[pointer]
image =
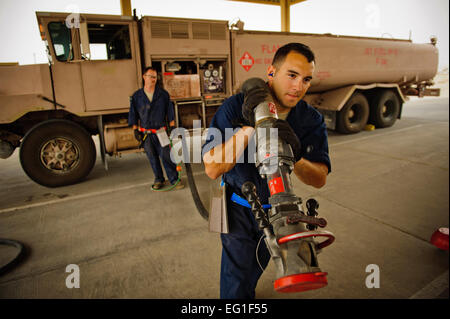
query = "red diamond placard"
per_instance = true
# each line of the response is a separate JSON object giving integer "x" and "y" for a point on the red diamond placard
{"x": 246, "y": 61}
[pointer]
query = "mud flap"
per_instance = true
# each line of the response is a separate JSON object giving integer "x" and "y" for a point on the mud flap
{"x": 102, "y": 141}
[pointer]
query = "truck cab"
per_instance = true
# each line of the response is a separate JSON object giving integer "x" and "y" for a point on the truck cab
{"x": 95, "y": 61}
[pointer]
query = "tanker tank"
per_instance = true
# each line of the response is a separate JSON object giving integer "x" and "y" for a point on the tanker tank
{"x": 340, "y": 60}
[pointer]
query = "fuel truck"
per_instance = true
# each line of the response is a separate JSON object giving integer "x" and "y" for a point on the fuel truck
{"x": 52, "y": 111}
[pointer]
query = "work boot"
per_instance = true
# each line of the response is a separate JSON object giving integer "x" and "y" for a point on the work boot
{"x": 157, "y": 185}
{"x": 180, "y": 185}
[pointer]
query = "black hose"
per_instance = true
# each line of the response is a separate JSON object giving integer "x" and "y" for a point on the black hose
{"x": 195, "y": 196}
{"x": 192, "y": 186}
{"x": 20, "y": 255}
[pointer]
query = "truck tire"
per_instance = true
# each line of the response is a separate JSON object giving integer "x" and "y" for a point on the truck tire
{"x": 353, "y": 117}
{"x": 57, "y": 153}
{"x": 385, "y": 107}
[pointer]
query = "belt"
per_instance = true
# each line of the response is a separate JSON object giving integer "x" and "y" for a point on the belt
{"x": 149, "y": 130}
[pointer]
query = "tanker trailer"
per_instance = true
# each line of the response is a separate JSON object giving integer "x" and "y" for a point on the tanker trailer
{"x": 357, "y": 80}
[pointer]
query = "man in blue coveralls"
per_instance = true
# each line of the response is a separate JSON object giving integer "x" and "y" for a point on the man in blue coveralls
{"x": 150, "y": 109}
{"x": 300, "y": 125}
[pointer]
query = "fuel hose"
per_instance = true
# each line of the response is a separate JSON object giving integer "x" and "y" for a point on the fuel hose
{"x": 17, "y": 259}
{"x": 194, "y": 192}
{"x": 191, "y": 182}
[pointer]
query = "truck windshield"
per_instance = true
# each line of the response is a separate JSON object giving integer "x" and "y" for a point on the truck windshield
{"x": 61, "y": 40}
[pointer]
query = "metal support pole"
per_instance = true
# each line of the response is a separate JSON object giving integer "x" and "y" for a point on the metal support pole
{"x": 285, "y": 15}
{"x": 125, "y": 7}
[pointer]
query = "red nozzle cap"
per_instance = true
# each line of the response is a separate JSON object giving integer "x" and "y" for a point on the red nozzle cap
{"x": 301, "y": 282}
{"x": 440, "y": 238}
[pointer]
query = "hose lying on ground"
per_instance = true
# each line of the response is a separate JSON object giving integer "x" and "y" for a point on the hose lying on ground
{"x": 18, "y": 258}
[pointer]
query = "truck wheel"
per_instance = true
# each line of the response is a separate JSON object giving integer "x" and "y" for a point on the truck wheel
{"x": 354, "y": 115}
{"x": 384, "y": 109}
{"x": 57, "y": 153}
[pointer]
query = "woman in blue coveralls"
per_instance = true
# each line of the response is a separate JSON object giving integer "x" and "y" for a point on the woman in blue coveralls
{"x": 150, "y": 108}
{"x": 288, "y": 78}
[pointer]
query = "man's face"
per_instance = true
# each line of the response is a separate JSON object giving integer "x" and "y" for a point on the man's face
{"x": 291, "y": 79}
{"x": 150, "y": 78}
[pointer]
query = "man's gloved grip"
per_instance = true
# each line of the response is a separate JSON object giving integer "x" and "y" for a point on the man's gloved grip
{"x": 287, "y": 134}
{"x": 239, "y": 122}
{"x": 252, "y": 83}
{"x": 255, "y": 92}
{"x": 138, "y": 135}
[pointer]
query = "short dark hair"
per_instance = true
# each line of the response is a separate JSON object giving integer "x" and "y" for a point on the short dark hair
{"x": 149, "y": 68}
{"x": 283, "y": 51}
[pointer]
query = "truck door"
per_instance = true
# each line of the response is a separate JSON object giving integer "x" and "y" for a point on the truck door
{"x": 109, "y": 69}
{"x": 65, "y": 72}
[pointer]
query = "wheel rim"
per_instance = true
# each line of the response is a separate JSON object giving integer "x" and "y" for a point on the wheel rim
{"x": 388, "y": 110}
{"x": 60, "y": 155}
{"x": 354, "y": 115}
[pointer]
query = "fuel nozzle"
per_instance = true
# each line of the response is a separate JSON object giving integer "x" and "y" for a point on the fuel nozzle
{"x": 290, "y": 234}
{"x": 292, "y": 248}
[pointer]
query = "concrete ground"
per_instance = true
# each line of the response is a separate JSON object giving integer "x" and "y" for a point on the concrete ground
{"x": 388, "y": 192}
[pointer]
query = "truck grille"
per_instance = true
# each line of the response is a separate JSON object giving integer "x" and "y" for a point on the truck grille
{"x": 180, "y": 30}
{"x": 160, "y": 29}
{"x": 218, "y": 31}
{"x": 200, "y": 30}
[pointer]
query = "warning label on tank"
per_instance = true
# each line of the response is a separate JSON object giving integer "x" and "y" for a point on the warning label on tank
{"x": 276, "y": 186}
{"x": 246, "y": 61}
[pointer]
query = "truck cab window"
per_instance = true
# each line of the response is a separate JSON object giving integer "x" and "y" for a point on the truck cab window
{"x": 109, "y": 41}
{"x": 61, "y": 40}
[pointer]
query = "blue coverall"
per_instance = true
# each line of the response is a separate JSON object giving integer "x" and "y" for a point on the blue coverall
{"x": 153, "y": 115}
{"x": 239, "y": 268}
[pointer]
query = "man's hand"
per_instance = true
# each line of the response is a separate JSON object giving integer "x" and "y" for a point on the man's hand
{"x": 311, "y": 173}
{"x": 138, "y": 135}
{"x": 287, "y": 134}
{"x": 255, "y": 92}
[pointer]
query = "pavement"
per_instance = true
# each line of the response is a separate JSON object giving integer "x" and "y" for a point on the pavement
{"x": 387, "y": 193}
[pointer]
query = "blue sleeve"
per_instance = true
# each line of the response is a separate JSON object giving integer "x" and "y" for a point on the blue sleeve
{"x": 132, "y": 115}
{"x": 314, "y": 139}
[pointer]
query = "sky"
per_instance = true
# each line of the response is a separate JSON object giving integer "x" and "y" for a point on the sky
{"x": 417, "y": 20}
